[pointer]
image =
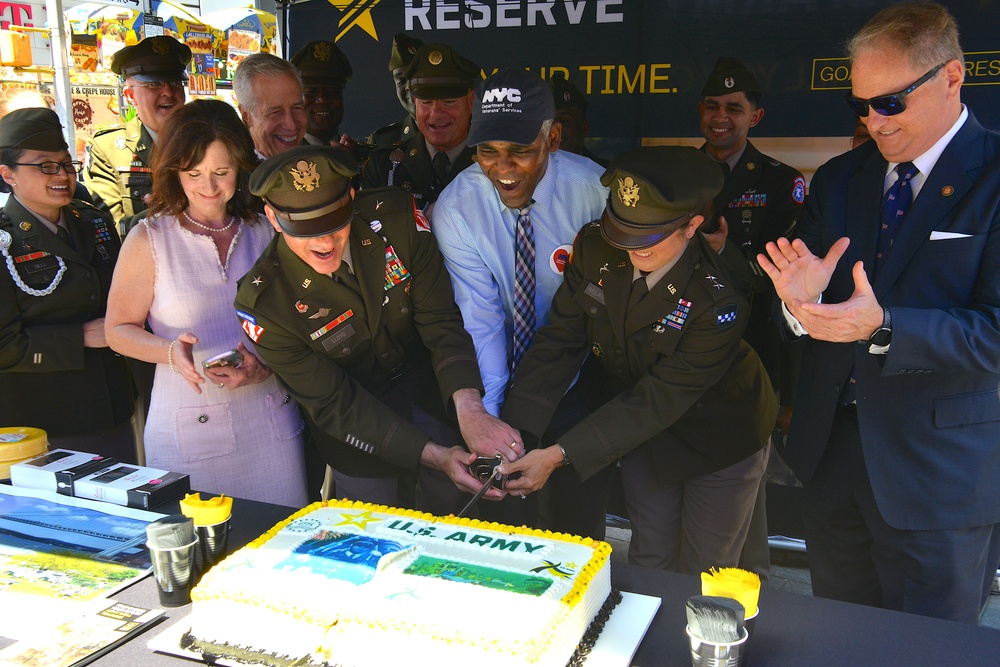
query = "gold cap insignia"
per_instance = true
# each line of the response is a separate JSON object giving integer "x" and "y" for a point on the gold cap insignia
{"x": 434, "y": 58}
{"x": 628, "y": 191}
{"x": 161, "y": 47}
{"x": 304, "y": 176}
{"x": 322, "y": 51}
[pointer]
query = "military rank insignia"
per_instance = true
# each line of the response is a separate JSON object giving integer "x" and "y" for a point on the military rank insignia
{"x": 725, "y": 316}
{"x": 675, "y": 319}
{"x": 395, "y": 272}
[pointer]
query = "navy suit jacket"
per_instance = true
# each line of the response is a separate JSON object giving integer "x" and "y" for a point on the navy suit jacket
{"x": 929, "y": 411}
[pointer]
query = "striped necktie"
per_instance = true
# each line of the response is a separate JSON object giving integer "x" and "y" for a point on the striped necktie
{"x": 524, "y": 286}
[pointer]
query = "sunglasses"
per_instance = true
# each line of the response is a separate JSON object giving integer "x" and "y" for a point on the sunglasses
{"x": 52, "y": 168}
{"x": 892, "y": 104}
{"x": 157, "y": 85}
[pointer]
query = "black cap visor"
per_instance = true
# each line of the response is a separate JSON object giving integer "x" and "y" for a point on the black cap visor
{"x": 316, "y": 222}
{"x": 154, "y": 73}
{"x": 629, "y": 236}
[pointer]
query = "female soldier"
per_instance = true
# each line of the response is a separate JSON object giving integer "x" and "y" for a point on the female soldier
{"x": 685, "y": 401}
{"x": 58, "y": 254}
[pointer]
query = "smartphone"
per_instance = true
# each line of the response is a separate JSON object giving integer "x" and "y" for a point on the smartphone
{"x": 230, "y": 358}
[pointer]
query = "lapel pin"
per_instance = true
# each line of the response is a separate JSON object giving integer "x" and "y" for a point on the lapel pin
{"x": 947, "y": 191}
{"x": 25, "y": 226}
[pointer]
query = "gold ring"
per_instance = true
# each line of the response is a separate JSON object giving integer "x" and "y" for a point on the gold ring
{"x": 513, "y": 445}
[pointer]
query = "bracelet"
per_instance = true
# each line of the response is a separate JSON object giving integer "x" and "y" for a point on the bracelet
{"x": 565, "y": 456}
{"x": 170, "y": 355}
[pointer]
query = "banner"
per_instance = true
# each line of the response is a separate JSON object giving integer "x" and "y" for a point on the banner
{"x": 641, "y": 65}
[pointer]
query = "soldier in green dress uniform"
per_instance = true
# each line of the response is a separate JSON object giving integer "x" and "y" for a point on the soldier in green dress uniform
{"x": 440, "y": 82}
{"x": 118, "y": 171}
{"x": 58, "y": 254}
{"x": 351, "y": 306}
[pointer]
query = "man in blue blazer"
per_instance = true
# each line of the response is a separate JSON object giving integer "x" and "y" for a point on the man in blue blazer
{"x": 895, "y": 279}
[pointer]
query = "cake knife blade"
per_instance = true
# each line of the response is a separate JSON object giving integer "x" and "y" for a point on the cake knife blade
{"x": 481, "y": 492}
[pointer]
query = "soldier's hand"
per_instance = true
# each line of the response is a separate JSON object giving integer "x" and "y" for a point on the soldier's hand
{"x": 717, "y": 239}
{"x": 530, "y": 472}
{"x": 93, "y": 333}
{"x": 455, "y": 462}
{"x": 183, "y": 358}
{"x": 250, "y": 371}
{"x": 484, "y": 434}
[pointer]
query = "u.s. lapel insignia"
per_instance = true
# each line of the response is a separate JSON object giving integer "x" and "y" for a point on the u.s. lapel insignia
{"x": 671, "y": 289}
{"x": 301, "y": 307}
{"x": 306, "y": 283}
{"x": 305, "y": 177}
{"x": 366, "y": 242}
{"x": 628, "y": 191}
{"x": 322, "y": 312}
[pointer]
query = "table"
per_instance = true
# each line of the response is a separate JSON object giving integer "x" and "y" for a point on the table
{"x": 791, "y": 630}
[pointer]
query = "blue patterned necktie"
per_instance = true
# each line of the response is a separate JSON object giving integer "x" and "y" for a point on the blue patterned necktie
{"x": 524, "y": 286}
{"x": 897, "y": 200}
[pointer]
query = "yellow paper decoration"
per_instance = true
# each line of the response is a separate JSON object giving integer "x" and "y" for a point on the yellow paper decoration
{"x": 206, "y": 512}
{"x": 732, "y": 582}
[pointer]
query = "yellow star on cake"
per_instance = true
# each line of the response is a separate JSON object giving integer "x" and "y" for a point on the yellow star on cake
{"x": 360, "y": 520}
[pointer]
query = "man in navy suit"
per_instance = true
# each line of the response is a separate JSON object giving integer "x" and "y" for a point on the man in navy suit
{"x": 895, "y": 280}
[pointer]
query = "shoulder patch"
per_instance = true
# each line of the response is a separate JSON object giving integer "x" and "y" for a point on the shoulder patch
{"x": 799, "y": 190}
{"x": 725, "y": 316}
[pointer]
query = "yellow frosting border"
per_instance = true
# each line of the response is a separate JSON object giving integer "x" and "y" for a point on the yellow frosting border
{"x": 602, "y": 550}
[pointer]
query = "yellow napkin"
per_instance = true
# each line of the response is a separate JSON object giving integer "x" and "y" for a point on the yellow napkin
{"x": 206, "y": 512}
{"x": 732, "y": 582}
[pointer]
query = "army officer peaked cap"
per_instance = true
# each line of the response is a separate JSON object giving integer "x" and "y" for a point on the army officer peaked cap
{"x": 654, "y": 191}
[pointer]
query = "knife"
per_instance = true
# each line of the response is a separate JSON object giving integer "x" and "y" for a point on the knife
{"x": 481, "y": 492}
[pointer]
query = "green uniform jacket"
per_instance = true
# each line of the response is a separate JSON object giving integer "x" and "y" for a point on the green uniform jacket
{"x": 48, "y": 379}
{"x": 761, "y": 201}
{"x": 680, "y": 382}
{"x": 390, "y": 135}
{"x": 118, "y": 172}
{"x": 409, "y": 162}
{"x": 337, "y": 350}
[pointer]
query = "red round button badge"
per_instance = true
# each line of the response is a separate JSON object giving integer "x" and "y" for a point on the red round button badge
{"x": 560, "y": 258}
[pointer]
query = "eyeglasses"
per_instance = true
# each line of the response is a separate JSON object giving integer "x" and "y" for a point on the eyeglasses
{"x": 52, "y": 168}
{"x": 156, "y": 85}
{"x": 892, "y": 104}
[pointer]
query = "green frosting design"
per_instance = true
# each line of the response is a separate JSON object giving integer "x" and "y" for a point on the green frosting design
{"x": 439, "y": 568}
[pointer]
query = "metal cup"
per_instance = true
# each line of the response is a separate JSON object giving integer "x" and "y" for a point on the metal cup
{"x": 212, "y": 541}
{"x": 174, "y": 570}
{"x": 714, "y": 654}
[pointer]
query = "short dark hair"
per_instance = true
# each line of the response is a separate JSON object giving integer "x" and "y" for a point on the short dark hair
{"x": 753, "y": 97}
{"x": 181, "y": 145}
{"x": 924, "y": 31}
{"x": 9, "y": 156}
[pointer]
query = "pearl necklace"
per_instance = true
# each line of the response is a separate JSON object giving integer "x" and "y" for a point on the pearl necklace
{"x": 211, "y": 229}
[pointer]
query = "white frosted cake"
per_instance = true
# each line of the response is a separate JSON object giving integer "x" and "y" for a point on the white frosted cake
{"x": 358, "y": 585}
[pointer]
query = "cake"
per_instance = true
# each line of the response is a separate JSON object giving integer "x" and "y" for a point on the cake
{"x": 358, "y": 585}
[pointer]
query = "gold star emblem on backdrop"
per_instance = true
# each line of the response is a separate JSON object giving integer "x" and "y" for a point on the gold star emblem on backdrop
{"x": 356, "y": 13}
{"x": 360, "y": 520}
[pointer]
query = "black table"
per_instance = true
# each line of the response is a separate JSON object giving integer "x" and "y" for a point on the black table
{"x": 792, "y": 630}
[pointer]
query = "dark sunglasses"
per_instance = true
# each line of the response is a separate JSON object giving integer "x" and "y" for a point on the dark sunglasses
{"x": 52, "y": 168}
{"x": 892, "y": 104}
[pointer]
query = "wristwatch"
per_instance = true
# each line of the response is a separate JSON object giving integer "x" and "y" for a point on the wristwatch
{"x": 882, "y": 335}
{"x": 565, "y": 460}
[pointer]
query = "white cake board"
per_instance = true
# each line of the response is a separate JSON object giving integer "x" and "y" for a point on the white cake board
{"x": 615, "y": 647}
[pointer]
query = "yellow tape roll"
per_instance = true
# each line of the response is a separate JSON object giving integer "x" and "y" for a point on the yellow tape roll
{"x": 21, "y": 442}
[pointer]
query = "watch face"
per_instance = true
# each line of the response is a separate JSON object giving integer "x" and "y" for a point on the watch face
{"x": 881, "y": 337}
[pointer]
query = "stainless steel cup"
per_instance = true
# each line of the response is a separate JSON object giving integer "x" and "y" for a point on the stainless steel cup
{"x": 212, "y": 541}
{"x": 713, "y": 654}
{"x": 174, "y": 571}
